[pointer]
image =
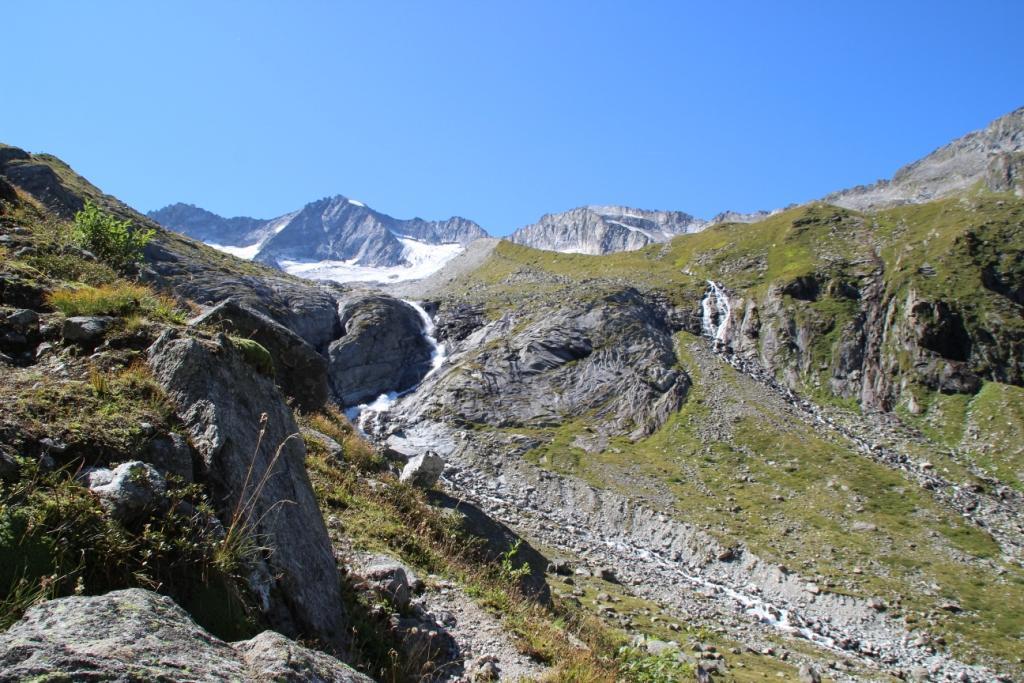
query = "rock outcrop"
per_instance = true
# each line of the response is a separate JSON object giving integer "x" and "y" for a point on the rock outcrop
{"x": 300, "y": 371}
{"x": 611, "y": 360}
{"x": 382, "y": 349}
{"x": 254, "y": 463}
{"x": 134, "y": 635}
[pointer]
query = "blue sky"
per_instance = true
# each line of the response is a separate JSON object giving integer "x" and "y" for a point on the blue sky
{"x": 500, "y": 112}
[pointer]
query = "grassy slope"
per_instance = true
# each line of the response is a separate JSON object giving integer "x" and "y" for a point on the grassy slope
{"x": 778, "y": 486}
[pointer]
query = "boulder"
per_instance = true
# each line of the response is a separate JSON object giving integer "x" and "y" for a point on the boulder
{"x": 332, "y": 447}
{"x": 132, "y": 491}
{"x": 24, "y": 320}
{"x": 86, "y": 329}
{"x": 423, "y": 470}
{"x": 300, "y": 371}
{"x": 391, "y": 579}
{"x": 254, "y": 463}
{"x": 135, "y": 634}
{"x": 272, "y": 657}
{"x": 171, "y": 455}
{"x": 808, "y": 674}
{"x": 383, "y": 348}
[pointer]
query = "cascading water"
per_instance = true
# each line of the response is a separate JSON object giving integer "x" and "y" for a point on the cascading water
{"x": 715, "y": 319}
{"x": 362, "y": 414}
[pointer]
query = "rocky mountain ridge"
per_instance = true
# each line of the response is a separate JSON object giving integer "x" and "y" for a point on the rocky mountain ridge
{"x": 330, "y": 229}
{"x": 993, "y": 156}
{"x": 605, "y": 229}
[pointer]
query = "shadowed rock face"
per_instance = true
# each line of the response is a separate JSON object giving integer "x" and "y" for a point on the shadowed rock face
{"x": 382, "y": 349}
{"x": 139, "y": 635}
{"x": 254, "y": 464}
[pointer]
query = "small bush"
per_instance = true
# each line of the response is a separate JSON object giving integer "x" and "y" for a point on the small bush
{"x": 119, "y": 298}
{"x": 110, "y": 239}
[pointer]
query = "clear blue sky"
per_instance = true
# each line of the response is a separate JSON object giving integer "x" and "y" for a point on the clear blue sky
{"x": 500, "y": 111}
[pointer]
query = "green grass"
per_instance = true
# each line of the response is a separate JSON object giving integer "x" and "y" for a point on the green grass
{"x": 56, "y": 539}
{"x": 118, "y": 298}
{"x": 789, "y": 495}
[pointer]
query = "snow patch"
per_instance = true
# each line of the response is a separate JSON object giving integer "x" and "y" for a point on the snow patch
{"x": 247, "y": 252}
{"x": 423, "y": 259}
{"x": 353, "y": 202}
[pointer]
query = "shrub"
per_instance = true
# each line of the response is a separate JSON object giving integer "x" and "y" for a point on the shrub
{"x": 255, "y": 354}
{"x": 110, "y": 239}
{"x": 119, "y": 298}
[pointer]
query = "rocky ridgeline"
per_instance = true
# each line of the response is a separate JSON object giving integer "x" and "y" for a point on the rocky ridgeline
{"x": 993, "y": 156}
{"x": 605, "y": 229}
{"x": 334, "y": 228}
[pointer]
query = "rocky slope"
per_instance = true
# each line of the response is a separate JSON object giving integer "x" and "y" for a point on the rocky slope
{"x": 604, "y": 229}
{"x": 335, "y": 228}
{"x": 991, "y": 156}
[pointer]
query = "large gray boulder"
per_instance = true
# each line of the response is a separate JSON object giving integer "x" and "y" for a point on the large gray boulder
{"x": 300, "y": 371}
{"x": 254, "y": 462}
{"x": 138, "y": 635}
{"x": 383, "y": 349}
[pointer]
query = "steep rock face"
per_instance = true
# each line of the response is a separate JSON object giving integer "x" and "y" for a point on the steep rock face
{"x": 382, "y": 349}
{"x": 886, "y": 344}
{"x": 984, "y": 155}
{"x": 611, "y": 361}
{"x": 254, "y": 463}
{"x": 206, "y": 226}
{"x": 605, "y": 229}
{"x": 300, "y": 371}
{"x": 135, "y": 634}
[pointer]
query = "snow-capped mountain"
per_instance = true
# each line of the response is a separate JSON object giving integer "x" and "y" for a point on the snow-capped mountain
{"x": 334, "y": 238}
{"x": 605, "y": 229}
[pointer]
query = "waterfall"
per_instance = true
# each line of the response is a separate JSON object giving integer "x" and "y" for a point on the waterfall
{"x": 715, "y": 319}
{"x": 361, "y": 414}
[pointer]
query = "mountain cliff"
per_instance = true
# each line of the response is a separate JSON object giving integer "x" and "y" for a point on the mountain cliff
{"x": 604, "y": 229}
